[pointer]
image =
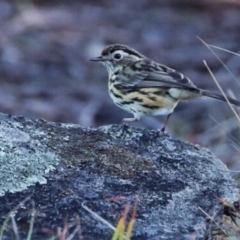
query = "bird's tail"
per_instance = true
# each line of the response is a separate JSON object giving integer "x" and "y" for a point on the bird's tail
{"x": 220, "y": 97}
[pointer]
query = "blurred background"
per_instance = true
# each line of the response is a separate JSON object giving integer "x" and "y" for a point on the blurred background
{"x": 45, "y": 72}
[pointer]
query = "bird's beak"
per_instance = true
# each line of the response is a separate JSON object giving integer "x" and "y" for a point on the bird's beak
{"x": 98, "y": 59}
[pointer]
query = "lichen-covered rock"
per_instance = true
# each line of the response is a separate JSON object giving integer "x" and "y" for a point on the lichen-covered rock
{"x": 64, "y": 166}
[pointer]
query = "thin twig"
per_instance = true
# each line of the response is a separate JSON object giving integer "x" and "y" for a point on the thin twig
{"x": 225, "y": 66}
{"x": 33, "y": 214}
{"x": 95, "y": 215}
{"x": 4, "y": 225}
{"x": 221, "y": 90}
{"x": 223, "y": 49}
{"x": 15, "y": 227}
{"x": 212, "y": 219}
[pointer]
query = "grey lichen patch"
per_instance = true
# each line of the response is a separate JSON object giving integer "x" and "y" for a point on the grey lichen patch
{"x": 19, "y": 170}
{"x": 23, "y": 161}
{"x": 11, "y": 134}
{"x": 123, "y": 132}
{"x": 170, "y": 146}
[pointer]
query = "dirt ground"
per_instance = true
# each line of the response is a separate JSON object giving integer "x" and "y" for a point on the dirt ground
{"x": 45, "y": 70}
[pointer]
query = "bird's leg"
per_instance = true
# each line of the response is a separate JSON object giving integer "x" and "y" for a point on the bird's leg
{"x": 125, "y": 120}
{"x": 129, "y": 120}
{"x": 165, "y": 123}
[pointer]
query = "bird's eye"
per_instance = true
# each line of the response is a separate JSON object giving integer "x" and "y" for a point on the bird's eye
{"x": 117, "y": 56}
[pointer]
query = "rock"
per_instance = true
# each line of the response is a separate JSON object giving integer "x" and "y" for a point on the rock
{"x": 63, "y": 167}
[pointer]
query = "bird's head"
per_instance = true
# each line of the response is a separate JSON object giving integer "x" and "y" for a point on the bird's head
{"x": 117, "y": 56}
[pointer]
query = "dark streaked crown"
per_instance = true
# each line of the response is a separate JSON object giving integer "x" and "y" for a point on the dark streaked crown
{"x": 114, "y": 47}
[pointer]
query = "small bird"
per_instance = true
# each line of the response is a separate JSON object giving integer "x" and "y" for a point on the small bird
{"x": 144, "y": 87}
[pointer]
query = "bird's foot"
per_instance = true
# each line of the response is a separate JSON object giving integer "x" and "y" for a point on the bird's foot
{"x": 125, "y": 122}
{"x": 163, "y": 130}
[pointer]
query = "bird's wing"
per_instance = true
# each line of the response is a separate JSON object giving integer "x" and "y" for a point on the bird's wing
{"x": 146, "y": 73}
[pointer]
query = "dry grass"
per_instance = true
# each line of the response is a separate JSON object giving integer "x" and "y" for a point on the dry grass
{"x": 226, "y": 228}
